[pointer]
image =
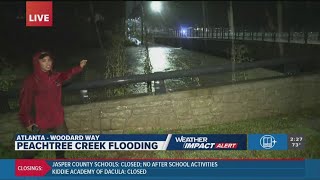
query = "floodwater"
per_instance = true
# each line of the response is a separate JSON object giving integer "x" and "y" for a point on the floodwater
{"x": 165, "y": 58}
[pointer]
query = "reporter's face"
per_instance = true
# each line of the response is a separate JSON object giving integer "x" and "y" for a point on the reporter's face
{"x": 46, "y": 64}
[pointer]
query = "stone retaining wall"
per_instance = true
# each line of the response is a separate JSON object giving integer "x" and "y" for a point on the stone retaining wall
{"x": 188, "y": 109}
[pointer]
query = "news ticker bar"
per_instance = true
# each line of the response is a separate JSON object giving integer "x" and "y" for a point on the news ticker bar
{"x": 78, "y": 142}
{"x": 161, "y": 168}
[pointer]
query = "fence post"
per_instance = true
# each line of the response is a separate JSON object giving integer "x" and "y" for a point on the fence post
{"x": 212, "y": 29}
{"x": 4, "y": 102}
{"x": 203, "y": 31}
{"x": 235, "y": 34}
{"x": 216, "y": 31}
{"x": 243, "y": 31}
{"x": 222, "y": 33}
{"x": 305, "y": 37}
{"x": 289, "y": 36}
{"x": 238, "y": 32}
{"x": 274, "y": 36}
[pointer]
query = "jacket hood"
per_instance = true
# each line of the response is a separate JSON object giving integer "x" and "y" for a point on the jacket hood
{"x": 36, "y": 64}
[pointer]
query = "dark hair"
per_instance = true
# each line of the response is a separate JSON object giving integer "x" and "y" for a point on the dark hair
{"x": 45, "y": 54}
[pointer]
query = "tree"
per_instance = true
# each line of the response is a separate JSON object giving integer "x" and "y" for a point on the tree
{"x": 6, "y": 81}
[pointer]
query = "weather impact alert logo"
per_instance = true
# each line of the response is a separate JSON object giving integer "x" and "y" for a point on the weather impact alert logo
{"x": 267, "y": 142}
{"x": 39, "y": 13}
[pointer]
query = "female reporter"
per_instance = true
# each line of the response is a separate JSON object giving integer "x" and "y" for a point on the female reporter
{"x": 40, "y": 98}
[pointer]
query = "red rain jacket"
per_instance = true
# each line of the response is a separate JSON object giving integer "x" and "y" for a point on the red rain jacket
{"x": 41, "y": 96}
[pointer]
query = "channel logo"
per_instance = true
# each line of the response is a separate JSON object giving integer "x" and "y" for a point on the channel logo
{"x": 39, "y": 13}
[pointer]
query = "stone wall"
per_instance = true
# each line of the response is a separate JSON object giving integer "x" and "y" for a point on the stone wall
{"x": 188, "y": 109}
{"x": 197, "y": 107}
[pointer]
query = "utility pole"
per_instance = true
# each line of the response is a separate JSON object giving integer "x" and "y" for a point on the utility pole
{"x": 280, "y": 29}
{"x": 142, "y": 23}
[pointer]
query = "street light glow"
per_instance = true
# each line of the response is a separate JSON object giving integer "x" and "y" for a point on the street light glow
{"x": 184, "y": 31}
{"x": 156, "y": 6}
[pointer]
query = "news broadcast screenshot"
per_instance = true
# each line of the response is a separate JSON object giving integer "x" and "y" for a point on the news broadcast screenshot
{"x": 160, "y": 90}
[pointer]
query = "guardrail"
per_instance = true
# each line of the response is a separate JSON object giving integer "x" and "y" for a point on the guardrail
{"x": 226, "y": 34}
{"x": 179, "y": 74}
{"x": 159, "y": 76}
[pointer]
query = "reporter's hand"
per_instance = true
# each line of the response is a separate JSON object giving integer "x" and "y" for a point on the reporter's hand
{"x": 29, "y": 128}
{"x": 83, "y": 63}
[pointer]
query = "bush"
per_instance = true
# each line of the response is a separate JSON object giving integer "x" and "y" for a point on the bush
{"x": 116, "y": 62}
{"x": 239, "y": 54}
{"x": 7, "y": 75}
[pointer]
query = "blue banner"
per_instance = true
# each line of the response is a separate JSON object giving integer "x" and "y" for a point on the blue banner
{"x": 160, "y": 169}
{"x": 78, "y": 142}
{"x": 208, "y": 142}
{"x": 91, "y": 137}
{"x": 267, "y": 142}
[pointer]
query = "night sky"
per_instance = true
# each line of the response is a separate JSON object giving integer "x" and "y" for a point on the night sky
{"x": 71, "y": 27}
{"x": 246, "y": 13}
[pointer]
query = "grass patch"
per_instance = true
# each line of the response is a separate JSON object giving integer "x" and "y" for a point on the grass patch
{"x": 306, "y": 123}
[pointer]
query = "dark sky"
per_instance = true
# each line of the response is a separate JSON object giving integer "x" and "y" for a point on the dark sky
{"x": 247, "y": 13}
{"x": 71, "y": 28}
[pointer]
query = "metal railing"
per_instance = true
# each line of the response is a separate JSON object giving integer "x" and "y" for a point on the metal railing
{"x": 226, "y": 34}
{"x": 157, "y": 76}
{"x": 99, "y": 86}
